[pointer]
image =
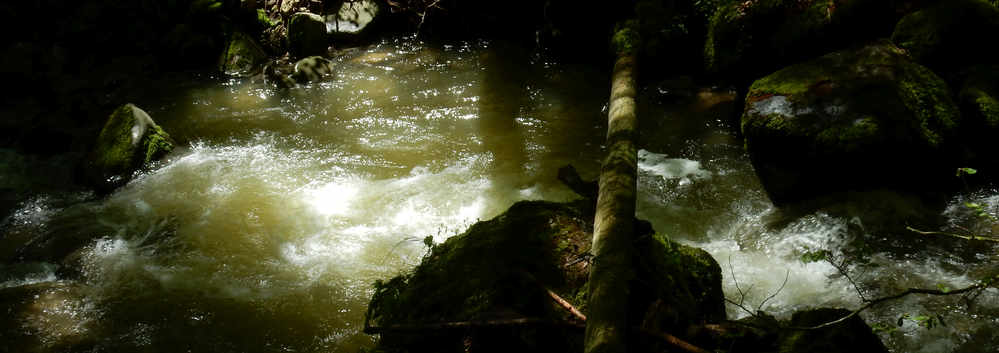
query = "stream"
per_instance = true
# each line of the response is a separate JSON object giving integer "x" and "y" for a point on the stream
{"x": 265, "y": 229}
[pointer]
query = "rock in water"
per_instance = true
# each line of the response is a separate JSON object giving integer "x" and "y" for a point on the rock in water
{"x": 852, "y": 120}
{"x": 241, "y": 56}
{"x": 129, "y": 141}
{"x": 312, "y": 69}
{"x": 307, "y": 35}
{"x": 500, "y": 269}
{"x": 853, "y": 335}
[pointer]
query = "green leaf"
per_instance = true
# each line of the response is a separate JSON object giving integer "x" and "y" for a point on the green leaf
{"x": 943, "y": 288}
{"x": 966, "y": 171}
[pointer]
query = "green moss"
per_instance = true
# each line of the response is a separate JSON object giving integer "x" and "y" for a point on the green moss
{"x": 263, "y": 19}
{"x": 241, "y": 56}
{"x": 928, "y": 98}
{"x": 118, "y": 151}
{"x": 115, "y": 147}
{"x": 626, "y": 39}
{"x": 157, "y": 144}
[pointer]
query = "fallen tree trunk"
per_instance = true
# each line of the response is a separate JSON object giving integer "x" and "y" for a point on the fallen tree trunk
{"x": 611, "y": 269}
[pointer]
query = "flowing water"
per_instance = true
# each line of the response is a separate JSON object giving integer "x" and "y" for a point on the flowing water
{"x": 265, "y": 230}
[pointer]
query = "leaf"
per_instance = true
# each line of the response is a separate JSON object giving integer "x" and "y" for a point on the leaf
{"x": 966, "y": 171}
{"x": 943, "y": 288}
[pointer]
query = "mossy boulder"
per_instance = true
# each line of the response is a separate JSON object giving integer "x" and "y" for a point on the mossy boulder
{"x": 853, "y": 335}
{"x": 856, "y": 119}
{"x": 129, "y": 141}
{"x": 241, "y": 56}
{"x": 951, "y": 35}
{"x": 307, "y": 35}
{"x": 501, "y": 269}
{"x": 749, "y": 39}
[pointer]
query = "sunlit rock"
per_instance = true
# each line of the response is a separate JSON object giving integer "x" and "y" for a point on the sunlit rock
{"x": 312, "y": 69}
{"x": 307, "y": 35}
{"x": 354, "y": 20}
{"x": 851, "y": 120}
{"x": 500, "y": 269}
{"x": 129, "y": 141}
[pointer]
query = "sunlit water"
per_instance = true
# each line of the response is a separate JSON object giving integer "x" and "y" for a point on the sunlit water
{"x": 265, "y": 230}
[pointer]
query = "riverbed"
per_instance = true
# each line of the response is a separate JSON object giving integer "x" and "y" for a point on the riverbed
{"x": 264, "y": 230}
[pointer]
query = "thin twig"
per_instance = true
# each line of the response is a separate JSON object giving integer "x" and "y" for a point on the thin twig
{"x": 841, "y": 267}
{"x": 965, "y": 237}
{"x": 468, "y": 324}
{"x": 980, "y": 285}
{"x": 787, "y": 273}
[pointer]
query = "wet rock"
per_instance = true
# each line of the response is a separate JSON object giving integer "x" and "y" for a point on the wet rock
{"x": 951, "y": 34}
{"x": 856, "y": 119}
{"x": 129, "y": 141}
{"x": 506, "y": 264}
{"x": 278, "y": 74}
{"x": 241, "y": 56}
{"x": 307, "y": 35}
{"x": 853, "y": 335}
{"x": 749, "y": 39}
{"x": 312, "y": 69}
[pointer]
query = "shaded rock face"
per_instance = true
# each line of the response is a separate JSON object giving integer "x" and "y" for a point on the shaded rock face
{"x": 851, "y": 336}
{"x": 500, "y": 269}
{"x": 129, "y": 140}
{"x": 749, "y": 39}
{"x": 307, "y": 35}
{"x": 851, "y": 120}
{"x": 951, "y": 35}
{"x": 242, "y": 56}
{"x": 979, "y": 102}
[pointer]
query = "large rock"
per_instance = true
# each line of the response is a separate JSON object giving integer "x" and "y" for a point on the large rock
{"x": 749, "y": 39}
{"x": 853, "y": 335}
{"x": 851, "y": 120}
{"x": 499, "y": 269}
{"x": 951, "y": 35}
{"x": 242, "y": 56}
{"x": 129, "y": 141}
{"x": 307, "y": 35}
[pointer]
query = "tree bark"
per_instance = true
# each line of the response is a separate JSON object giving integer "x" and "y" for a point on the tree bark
{"x": 611, "y": 269}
